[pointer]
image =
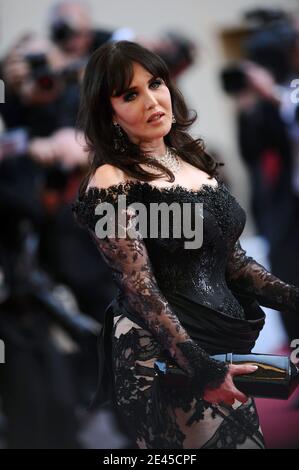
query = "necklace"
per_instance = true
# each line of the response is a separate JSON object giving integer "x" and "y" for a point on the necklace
{"x": 170, "y": 160}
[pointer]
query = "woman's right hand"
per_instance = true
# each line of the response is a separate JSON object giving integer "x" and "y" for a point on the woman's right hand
{"x": 227, "y": 392}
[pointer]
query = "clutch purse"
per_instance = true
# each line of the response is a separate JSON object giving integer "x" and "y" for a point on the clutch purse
{"x": 276, "y": 377}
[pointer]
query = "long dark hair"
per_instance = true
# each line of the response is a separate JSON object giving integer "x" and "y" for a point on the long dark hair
{"x": 110, "y": 72}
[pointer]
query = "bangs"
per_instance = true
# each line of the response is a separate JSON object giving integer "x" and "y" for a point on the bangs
{"x": 120, "y": 77}
{"x": 121, "y": 71}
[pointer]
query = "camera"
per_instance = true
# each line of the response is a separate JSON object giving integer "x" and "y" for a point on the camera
{"x": 233, "y": 79}
{"x": 269, "y": 39}
{"x": 61, "y": 31}
{"x": 40, "y": 70}
{"x": 177, "y": 51}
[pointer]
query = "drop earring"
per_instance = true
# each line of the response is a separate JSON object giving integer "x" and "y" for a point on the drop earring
{"x": 173, "y": 119}
{"x": 119, "y": 143}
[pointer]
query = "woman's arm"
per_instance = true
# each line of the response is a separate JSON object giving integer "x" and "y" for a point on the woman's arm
{"x": 129, "y": 262}
{"x": 132, "y": 271}
{"x": 247, "y": 276}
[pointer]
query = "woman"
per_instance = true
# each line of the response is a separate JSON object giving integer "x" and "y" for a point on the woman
{"x": 173, "y": 303}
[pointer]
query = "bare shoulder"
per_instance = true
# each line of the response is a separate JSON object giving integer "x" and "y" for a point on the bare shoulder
{"x": 107, "y": 175}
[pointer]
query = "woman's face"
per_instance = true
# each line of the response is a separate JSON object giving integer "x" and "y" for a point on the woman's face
{"x": 132, "y": 110}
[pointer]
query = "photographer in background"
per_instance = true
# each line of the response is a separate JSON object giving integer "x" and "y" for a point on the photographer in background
{"x": 70, "y": 29}
{"x": 41, "y": 102}
{"x": 40, "y": 169}
{"x": 260, "y": 87}
{"x": 41, "y": 165}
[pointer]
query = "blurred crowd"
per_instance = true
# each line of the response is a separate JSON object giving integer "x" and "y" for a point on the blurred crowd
{"x": 267, "y": 115}
{"x": 54, "y": 285}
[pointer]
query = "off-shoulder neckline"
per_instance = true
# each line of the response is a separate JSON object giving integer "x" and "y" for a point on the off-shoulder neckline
{"x": 127, "y": 185}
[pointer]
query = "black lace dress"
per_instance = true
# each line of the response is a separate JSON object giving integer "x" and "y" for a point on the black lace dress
{"x": 183, "y": 305}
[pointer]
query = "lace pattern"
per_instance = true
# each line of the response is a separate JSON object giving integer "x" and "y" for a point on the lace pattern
{"x": 143, "y": 269}
{"x": 132, "y": 271}
{"x": 166, "y": 417}
{"x": 247, "y": 276}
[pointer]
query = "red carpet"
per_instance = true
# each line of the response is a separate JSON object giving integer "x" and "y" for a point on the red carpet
{"x": 279, "y": 420}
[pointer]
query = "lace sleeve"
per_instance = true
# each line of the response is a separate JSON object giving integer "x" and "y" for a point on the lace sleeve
{"x": 247, "y": 276}
{"x": 128, "y": 259}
